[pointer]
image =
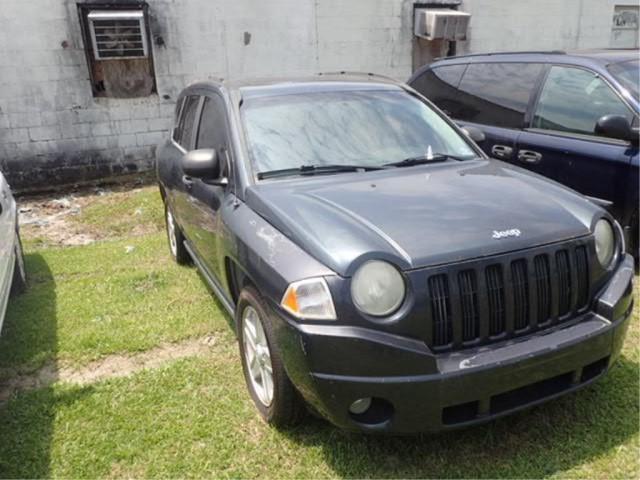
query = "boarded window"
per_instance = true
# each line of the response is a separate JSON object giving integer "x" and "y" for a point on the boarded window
{"x": 118, "y": 48}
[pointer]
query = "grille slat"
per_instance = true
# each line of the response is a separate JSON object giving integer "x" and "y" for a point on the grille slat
{"x": 469, "y": 301}
{"x": 495, "y": 284}
{"x": 520, "y": 294}
{"x": 582, "y": 275}
{"x": 564, "y": 283}
{"x": 439, "y": 293}
{"x": 543, "y": 283}
{"x": 472, "y": 304}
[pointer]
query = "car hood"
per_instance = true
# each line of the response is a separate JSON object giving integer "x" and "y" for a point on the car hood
{"x": 423, "y": 215}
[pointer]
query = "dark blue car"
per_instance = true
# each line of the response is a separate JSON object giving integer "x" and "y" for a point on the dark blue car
{"x": 572, "y": 117}
{"x": 378, "y": 268}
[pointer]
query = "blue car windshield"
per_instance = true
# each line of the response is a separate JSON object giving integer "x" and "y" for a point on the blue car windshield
{"x": 628, "y": 74}
{"x": 369, "y": 128}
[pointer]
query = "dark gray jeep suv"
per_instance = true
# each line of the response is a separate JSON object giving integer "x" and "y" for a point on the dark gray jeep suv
{"x": 379, "y": 268}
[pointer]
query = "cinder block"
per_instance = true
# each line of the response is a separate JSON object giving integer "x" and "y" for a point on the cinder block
{"x": 49, "y": 118}
{"x": 75, "y": 130}
{"x": 103, "y": 128}
{"x": 44, "y": 133}
{"x": 91, "y": 115}
{"x": 151, "y": 138}
{"x": 145, "y": 111}
{"x": 31, "y": 119}
{"x": 16, "y": 135}
{"x": 127, "y": 141}
{"x": 159, "y": 124}
{"x": 132, "y": 126}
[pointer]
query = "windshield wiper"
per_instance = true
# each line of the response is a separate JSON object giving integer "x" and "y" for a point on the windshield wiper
{"x": 420, "y": 159}
{"x": 316, "y": 169}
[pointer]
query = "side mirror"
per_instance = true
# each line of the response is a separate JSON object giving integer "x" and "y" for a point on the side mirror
{"x": 202, "y": 164}
{"x": 615, "y": 126}
{"x": 474, "y": 133}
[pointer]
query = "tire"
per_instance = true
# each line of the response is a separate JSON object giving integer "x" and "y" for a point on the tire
{"x": 176, "y": 239}
{"x": 19, "y": 282}
{"x": 283, "y": 407}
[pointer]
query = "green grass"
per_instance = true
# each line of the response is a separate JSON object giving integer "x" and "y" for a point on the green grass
{"x": 193, "y": 417}
{"x": 87, "y": 302}
{"x": 123, "y": 213}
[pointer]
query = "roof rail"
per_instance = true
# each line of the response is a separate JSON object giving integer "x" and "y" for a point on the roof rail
{"x": 515, "y": 52}
{"x": 364, "y": 74}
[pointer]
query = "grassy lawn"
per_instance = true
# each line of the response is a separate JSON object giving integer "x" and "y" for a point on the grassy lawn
{"x": 193, "y": 417}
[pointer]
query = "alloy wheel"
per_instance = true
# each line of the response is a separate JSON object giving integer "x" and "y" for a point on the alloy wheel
{"x": 257, "y": 356}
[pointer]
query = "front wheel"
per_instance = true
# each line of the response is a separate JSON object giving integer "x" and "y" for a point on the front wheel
{"x": 275, "y": 397}
{"x": 176, "y": 239}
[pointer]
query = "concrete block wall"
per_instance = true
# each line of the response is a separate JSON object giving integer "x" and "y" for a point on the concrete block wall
{"x": 52, "y": 129}
{"x": 498, "y": 25}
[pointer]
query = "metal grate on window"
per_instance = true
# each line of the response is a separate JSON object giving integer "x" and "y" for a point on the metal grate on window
{"x": 118, "y": 34}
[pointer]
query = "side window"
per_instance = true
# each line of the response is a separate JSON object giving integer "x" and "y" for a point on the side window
{"x": 572, "y": 100}
{"x": 176, "y": 120}
{"x": 184, "y": 131}
{"x": 440, "y": 86}
{"x": 213, "y": 128}
{"x": 212, "y": 132}
{"x": 497, "y": 93}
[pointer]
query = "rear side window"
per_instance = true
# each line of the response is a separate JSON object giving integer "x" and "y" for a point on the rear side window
{"x": 497, "y": 93}
{"x": 440, "y": 86}
{"x": 572, "y": 100}
{"x": 184, "y": 131}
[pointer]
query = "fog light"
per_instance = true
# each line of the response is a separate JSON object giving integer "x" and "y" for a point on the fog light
{"x": 360, "y": 406}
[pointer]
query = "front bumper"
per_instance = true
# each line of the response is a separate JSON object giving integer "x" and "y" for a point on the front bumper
{"x": 415, "y": 390}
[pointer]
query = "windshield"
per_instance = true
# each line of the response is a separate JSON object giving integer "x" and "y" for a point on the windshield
{"x": 628, "y": 74}
{"x": 370, "y": 128}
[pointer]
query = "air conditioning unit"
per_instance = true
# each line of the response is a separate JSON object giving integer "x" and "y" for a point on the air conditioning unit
{"x": 444, "y": 24}
{"x": 118, "y": 34}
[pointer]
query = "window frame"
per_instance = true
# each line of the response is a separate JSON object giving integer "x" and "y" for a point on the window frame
{"x": 533, "y": 94}
{"x": 226, "y": 153}
{"x": 431, "y": 70}
{"x": 558, "y": 133}
{"x": 188, "y": 146}
{"x": 84, "y": 8}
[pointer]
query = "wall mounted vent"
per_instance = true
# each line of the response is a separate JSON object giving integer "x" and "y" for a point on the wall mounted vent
{"x": 118, "y": 34}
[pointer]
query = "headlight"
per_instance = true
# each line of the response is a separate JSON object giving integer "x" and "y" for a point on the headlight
{"x": 605, "y": 242}
{"x": 309, "y": 299}
{"x": 377, "y": 288}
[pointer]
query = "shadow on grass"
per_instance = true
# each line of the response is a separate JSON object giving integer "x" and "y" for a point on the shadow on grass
{"x": 28, "y": 340}
{"x": 535, "y": 443}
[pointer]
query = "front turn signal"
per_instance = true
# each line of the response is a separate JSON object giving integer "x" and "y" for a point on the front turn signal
{"x": 309, "y": 299}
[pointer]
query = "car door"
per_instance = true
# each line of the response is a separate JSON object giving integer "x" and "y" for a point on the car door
{"x": 203, "y": 228}
{"x": 561, "y": 144}
{"x": 183, "y": 141}
{"x": 490, "y": 96}
{"x": 7, "y": 239}
{"x": 494, "y": 98}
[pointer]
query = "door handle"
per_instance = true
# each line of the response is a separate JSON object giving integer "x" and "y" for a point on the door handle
{"x": 188, "y": 181}
{"x": 501, "y": 151}
{"x": 529, "y": 156}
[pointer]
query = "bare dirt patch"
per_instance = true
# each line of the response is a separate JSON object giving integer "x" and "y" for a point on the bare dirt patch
{"x": 87, "y": 215}
{"x": 112, "y": 366}
{"x": 47, "y": 220}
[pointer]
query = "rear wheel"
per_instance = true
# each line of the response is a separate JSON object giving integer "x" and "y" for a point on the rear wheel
{"x": 176, "y": 239}
{"x": 272, "y": 392}
{"x": 19, "y": 282}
